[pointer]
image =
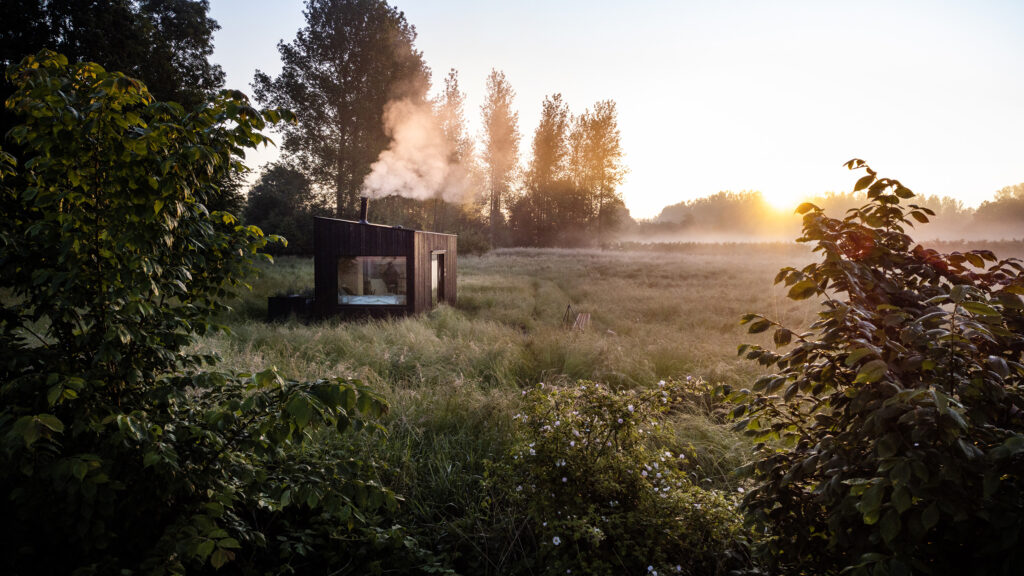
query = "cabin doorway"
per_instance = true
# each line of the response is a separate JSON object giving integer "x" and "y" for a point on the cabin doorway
{"x": 436, "y": 278}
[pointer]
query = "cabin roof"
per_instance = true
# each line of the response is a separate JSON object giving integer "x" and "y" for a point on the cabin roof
{"x": 379, "y": 226}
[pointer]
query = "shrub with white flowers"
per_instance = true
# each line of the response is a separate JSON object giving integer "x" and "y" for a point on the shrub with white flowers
{"x": 606, "y": 496}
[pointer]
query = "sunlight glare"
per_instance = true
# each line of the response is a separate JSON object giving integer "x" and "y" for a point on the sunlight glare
{"x": 784, "y": 201}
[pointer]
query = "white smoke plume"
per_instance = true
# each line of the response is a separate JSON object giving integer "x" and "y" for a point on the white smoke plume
{"x": 420, "y": 162}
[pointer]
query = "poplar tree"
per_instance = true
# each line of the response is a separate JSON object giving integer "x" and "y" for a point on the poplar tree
{"x": 538, "y": 214}
{"x": 596, "y": 162}
{"x": 352, "y": 57}
{"x": 450, "y": 110}
{"x": 500, "y": 147}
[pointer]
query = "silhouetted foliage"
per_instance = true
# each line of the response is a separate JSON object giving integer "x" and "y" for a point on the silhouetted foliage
{"x": 120, "y": 452}
{"x": 891, "y": 435}
{"x": 352, "y": 57}
{"x": 283, "y": 202}
{"x": 570, "y": 194}
{"x": 164, "y": 43}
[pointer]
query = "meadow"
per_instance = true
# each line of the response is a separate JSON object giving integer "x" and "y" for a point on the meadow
{"x": 456, "y": 378}
{"x": 654, "y": 315}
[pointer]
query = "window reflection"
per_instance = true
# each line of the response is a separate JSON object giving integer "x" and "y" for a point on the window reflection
{"x": 372, "y": 281}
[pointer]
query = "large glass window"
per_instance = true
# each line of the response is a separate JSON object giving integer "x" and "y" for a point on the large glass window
{"x": 372, "y": 281}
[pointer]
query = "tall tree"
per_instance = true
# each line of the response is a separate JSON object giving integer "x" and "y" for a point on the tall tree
{"x": 352, "y": 57}
{"x": 450, "y": 110}
{"x": 500, "y": 147}
{"x": 164, "y": 43}
{"x": 550, "y": 142}
{"x": 536, "y": 218}
{"x": 596, "y": 161}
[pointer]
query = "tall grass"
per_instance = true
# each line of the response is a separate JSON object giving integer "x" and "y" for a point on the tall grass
{"x": 653, "y": 316}
{"x": 453, "y": 375}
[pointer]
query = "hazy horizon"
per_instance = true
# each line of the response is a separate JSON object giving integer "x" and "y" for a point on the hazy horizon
{"x": 730, "y": 96}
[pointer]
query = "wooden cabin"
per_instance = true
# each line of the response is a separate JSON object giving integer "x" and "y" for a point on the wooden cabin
{"x": 364, "y": 269}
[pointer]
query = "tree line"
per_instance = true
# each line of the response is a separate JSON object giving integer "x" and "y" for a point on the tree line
{"x": 338, "y": 79}
{"x": 748, "y": 216}
{"x": 339, "y": 73}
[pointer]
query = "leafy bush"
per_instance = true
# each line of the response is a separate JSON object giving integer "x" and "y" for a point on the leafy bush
{"x": 892, "y": 433}
{"x": 117, "y": 454}
{"x": 603, "y": 494}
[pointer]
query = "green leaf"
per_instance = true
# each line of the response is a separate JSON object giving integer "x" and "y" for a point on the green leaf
{"x": 901, "y": 499}
{"x": 902, "y": 192}
{"x": 890, "y": 526}
{"x": 151, "y": 458}
{"x": 1014, "y": 444}
{"x": 930, "y": 516}
{"x": 803, "y": 290}
{"x": 348, "y": 397}
{"x": 863, "y": 182}
{"x": 871, "y": 501}
{"x": 980, "y": 309}
{"x": 220, "y": 557}
{"x": 50, "y": 421}
{"x": 871, "y": 372}
{"x": 806, "y": 207}
{"x": 205, "y": 548}
{"x": 998, "y": 365}
{"x": 975, "y": 260}
{"x": 759, "y": 326}
{"x": 856, "y": 355}
{"x": 300, "y": 408}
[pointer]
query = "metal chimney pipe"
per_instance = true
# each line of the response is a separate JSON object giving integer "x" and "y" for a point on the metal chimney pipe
{"x": 363, "y": 208}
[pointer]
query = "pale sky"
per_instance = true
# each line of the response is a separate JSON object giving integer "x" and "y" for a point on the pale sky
{"x": 729, "y": 95}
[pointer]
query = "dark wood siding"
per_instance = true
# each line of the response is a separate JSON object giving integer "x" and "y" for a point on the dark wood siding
{"x": 427, "y": 243}
{"x": 343, "y": 238}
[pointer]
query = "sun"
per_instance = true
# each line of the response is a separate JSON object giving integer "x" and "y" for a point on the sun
{"x": 783, "y": 200}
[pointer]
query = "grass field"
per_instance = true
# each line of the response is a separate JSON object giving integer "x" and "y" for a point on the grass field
{"x": 654, "y": 315}
{"x": 663, "y": 312}
{"x": 454, "y": 376}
